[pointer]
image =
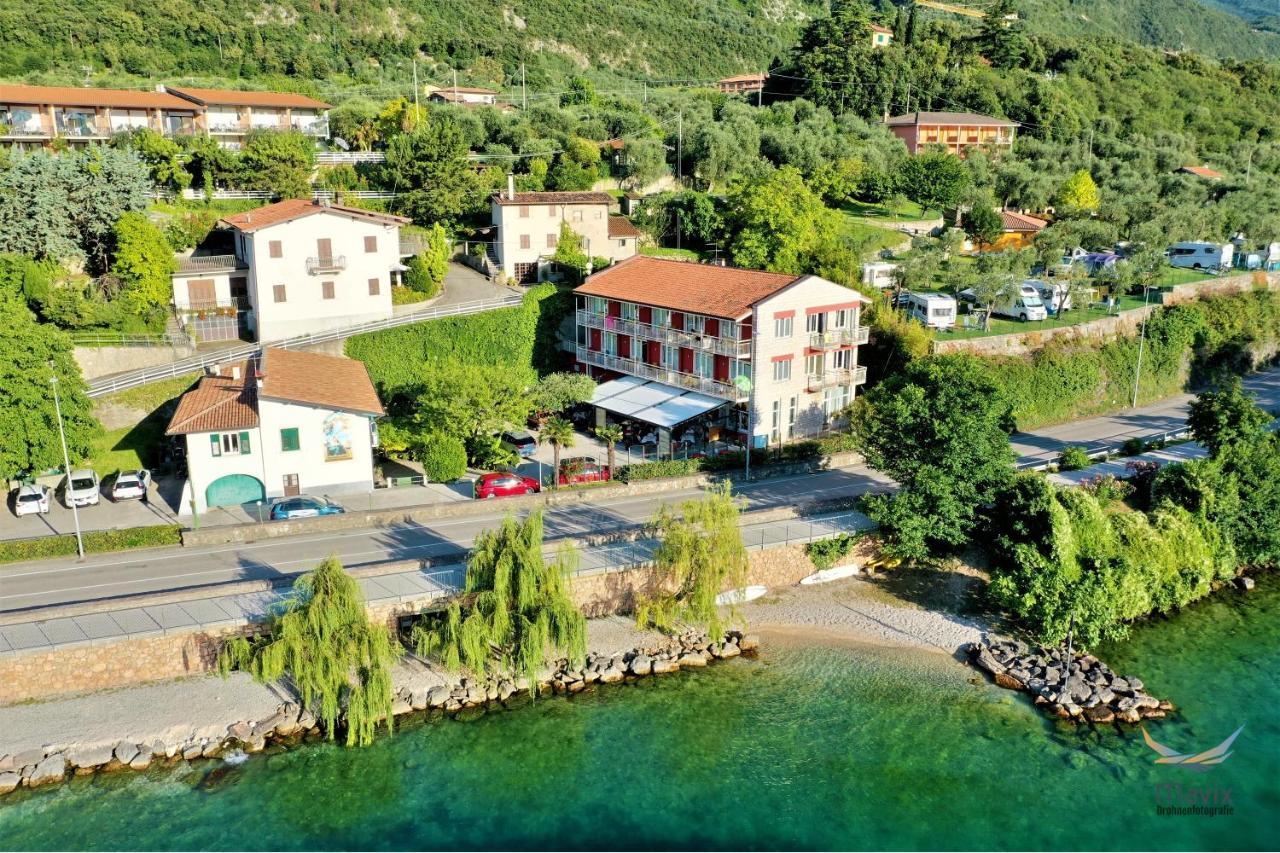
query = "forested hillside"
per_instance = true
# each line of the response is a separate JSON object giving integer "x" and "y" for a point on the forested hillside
{"x": 370, "y": 40}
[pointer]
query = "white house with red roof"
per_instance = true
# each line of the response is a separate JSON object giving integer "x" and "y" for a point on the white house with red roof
{"x": 295, "y": 267}
{"x": 283, "y": 424}
{"x": 675, "y": 340}
{"x": 528, "y": 229}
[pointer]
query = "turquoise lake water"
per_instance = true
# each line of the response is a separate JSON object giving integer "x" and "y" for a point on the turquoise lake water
{"x": 805, "y": 747}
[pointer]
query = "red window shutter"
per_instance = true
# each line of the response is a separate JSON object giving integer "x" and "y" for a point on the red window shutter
{"x": 686, "y": 360}
{"x": 646, "y": 314}
{"x": 370, "y": 243}
{"x": 624, "y": 346}
{"x": 722, "y": 368}
{"x": 274, "y": 249}
{"x": 744, "y": 333}
{"x": 615, "y": 308}
{"x": 677, "y": 320}
{"x": 595, "y": 340}
{"x": 712, "y": 327}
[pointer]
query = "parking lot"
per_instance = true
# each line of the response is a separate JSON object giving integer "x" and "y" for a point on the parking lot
{"x": 160, "y": 508}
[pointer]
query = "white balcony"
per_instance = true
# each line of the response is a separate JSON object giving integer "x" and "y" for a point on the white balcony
{"x": 337, "y": 263}
{"x": 836, "y": 338}
{"x": 832, "y": 378}
{"x": 693, "y": 340}
{"x": 634, "y": 367}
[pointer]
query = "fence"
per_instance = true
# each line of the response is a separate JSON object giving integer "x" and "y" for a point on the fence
{"x": 333, "y": 158}
{"x": 116, "y": 339}
{"x": 134, "y": 378}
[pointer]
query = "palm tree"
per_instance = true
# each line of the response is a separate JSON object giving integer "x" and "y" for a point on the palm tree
{"x": 610, "y": 435}
{"x": 559, "y": 432}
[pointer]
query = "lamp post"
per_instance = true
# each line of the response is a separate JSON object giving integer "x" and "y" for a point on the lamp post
{"x": 1142, "y": 339}
{"x": 66, "y": 459}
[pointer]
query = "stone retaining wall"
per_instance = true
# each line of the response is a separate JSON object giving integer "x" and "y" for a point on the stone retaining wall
{"x": 1220, "y": 287}
{"x": 103, "y": 361}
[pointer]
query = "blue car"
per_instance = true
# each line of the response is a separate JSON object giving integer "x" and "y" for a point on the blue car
{"x": 304, "y": 506}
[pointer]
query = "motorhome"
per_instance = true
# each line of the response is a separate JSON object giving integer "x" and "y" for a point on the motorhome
{"x": 1056, "y": 295}
{"x": 1027, "y": 305}
{"x": 1201, "y": 256}
{"x": 879, "y": 274}
{"x": 935, "y": 310}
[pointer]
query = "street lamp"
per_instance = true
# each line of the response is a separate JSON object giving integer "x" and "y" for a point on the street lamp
{"x": 1142, "y": 339}
{"x": 66, "y": 459}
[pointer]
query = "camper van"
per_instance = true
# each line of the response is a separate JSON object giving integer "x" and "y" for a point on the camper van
{"x": 1056, "y": 295}
{"x": 1201, "y": 256}
{"x": 1027, "y": 305}
{"x": 879, "y": 275}
{"x": 936, "y": 310}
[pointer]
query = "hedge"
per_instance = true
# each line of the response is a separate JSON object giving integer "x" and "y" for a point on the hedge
{"x": 800, "y": 451}
{"x": 1186, "y": 345}
{"x": 95, "y": 542}
{"x": 825, "y": 553}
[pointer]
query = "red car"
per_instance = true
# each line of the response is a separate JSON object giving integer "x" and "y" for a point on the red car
{"x": 582, "y": 469}
{"x": 502, "y": 485}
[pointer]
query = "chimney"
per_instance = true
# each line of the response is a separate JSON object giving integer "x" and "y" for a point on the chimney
{"x": 235, "y": 372}
{"x": 511, "y": 187}
{"x": 215, "y": 370}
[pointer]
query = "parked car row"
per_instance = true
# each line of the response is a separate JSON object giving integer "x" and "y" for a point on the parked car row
{"x": 81, "y": 489}
{"x": 573, "y": 471}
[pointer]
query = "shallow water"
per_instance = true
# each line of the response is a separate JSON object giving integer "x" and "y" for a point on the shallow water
{"x": 808, "y": 746}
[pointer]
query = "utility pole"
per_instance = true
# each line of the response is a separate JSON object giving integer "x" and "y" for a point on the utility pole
{"x": 680, "y": 148}
{"x": 524, "y": 93}
{"x": 66, "y": 459}
{"x": 415, "y": 88}
{"x": 1142, "y": 339}
{"x": 645, "y": 88}
{"x": 1090, "y": 148}
{"x": 455, "y": 85}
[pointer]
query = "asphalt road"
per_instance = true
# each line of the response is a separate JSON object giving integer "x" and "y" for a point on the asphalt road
{"x": 26, "y": 585}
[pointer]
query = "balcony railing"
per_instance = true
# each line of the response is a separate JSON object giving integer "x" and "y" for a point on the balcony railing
{"x": 239, "y": 303}
{"x": 26, "y": 132}
{"x": 333, "y": 264}
{"x": 210, "y": 263}
{"x": 82, "y": 131}
{"x": 634, "y": 367}
{"x": 836, "y": 338}
{"x": 832, "y": 378}
{"x": 721, "y": 346}
{"x": 315, "y": 127}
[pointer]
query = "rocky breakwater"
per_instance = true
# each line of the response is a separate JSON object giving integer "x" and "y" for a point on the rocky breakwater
{"x": 292, "y": 724}
{"x": 1081, "y": 689}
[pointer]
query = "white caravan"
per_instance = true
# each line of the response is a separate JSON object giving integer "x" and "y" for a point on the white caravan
{"x": 1201, "y": 256}
{"x": 1027, "y": 305}
{"x": 935, "y": 310}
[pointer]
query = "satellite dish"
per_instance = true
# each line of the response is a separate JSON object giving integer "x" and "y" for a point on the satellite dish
{"x": 341, "y": 143}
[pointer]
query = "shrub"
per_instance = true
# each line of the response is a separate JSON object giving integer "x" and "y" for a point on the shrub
{"x": 1074, "y": 459}
{"x": 95, "y": 541}
{"x": 658, "y": 470}
{"x": 1107, "y": 488}
{"x": 1142, "y": 475}
{"x": 444, "y": 458}
{"x": 1133, "y": 447}
{"x": 825, "y": 553}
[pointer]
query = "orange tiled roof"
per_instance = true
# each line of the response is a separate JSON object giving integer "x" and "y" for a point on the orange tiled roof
{"x": 686, "y": 286}
{"x": 235, "y": 97}
{"x": 326, "y": 381}
{"x": 1021, "y": 222}
{"x": 555, "y": 198}
{"x": 744, "y": 78}
{"x": 72, "y": 96}
{"x": 1202, "y": 171}
{"x": 879, "y": 29}
{"x": 218, "y": 403}
{"x": 620, "y": 226}
{"x": 966, "y": 119}
{"x": 296, "y": 208}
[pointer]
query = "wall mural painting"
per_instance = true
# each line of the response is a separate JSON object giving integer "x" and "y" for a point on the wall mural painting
{"x": 337, "y": 437}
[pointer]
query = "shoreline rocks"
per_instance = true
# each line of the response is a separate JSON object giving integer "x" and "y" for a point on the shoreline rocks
{"x": 1083, "y": 689}
{"x": 291, "y": 724}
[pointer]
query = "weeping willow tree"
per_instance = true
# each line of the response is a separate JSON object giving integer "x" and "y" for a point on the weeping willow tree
{"x": 339, "y": 661}
{"x": 701, "y": 553}
{"x": 516, "y": 610}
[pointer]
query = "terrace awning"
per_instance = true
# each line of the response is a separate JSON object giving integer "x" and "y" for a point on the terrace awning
{"x": 652, "y": 402}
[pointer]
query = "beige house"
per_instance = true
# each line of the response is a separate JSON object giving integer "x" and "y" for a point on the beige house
{"x": 229, "y": 115}
{"x": 689, "y": 335}
{"x": 528, "y": 229}
{"x": 283, "y": 424}
{"x": 881, "y": 36}
{"x": 295, "y": 267}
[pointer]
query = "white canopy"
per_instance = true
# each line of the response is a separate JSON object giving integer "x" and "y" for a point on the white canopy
{"x": 652, "y": 402}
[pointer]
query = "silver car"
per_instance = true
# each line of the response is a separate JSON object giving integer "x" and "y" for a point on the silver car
{"x": 31, "y": 499}
{"x": 83, "y": 488}
{"x": 130, "y": 485}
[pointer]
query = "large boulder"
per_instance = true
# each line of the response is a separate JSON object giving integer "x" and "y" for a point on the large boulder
{"x": 662, "y": 666}
{"x": 437, "y": 696}
{"x": 89, "y": 757}
{"x": 126, "y": 751}
{"x": 51, "y": 770}
{"x": 730, "y": 650}
{"x": 1007, "y": 681}
{"x": 28, "y": 757}
{"x": 692, "y": 659}
{"x": 612, "y": 675}
{"x": 640, "y": 665}
{"x": 749, "y": 643}
{"x": 9, "y": 782}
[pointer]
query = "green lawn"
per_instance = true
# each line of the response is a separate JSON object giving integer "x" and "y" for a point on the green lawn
{"x": 902, "y": 211}
{"x": 137, "y": 446}
{"x": 1002, "y": 326}
{"x": 1177, "y": 275}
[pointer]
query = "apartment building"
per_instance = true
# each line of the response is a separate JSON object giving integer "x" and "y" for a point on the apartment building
{"x": 742, "y": 84}
{"x": 957, "y": 132}
{"x": 295, "y": 267}
{"x": 528, "y": 229}
{"x": 33, "y": 116}
{"x": 465, "y": 95}
{"x": 280, "y": 425}
{"x": 674, "y": 341}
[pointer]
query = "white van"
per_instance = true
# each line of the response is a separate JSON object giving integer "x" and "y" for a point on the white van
{"x": 1056, "y": 295}
{"x": 1201, "y": 256}
{"x": 936, "y": 310}
{"x": 1027, "y": 305}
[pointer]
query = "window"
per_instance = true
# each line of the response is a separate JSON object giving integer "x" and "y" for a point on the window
{"x": 551, "y": 210}
{"x": 215, "y": 446}
{"x": 704, "y": 364}
{"x": 524, "y": 211}
{"x": 738, "y": 368}
{"x": 597, "y": 304}
{"x": 610, "y": 343}
{"x": 842, "y": 317}
{"x": 729, "y": 330}
{"x": 782, "y": 370}
{"x": 326, "y": 289}
{"x": 813, "y": 364}
{"x": 777, "y": 420}
{"x": 670, "y": 358}
{"x": 277, "y": 293}
{"x": 375, "y": 287}
{"x": 630, "y": 311}
{"x": 524, "y": 241}
{"x": 842, "y": 359}
{"x": 694, "y": 323}
{"x": 815, "y": 323}
{"x": 289, "y": 439}
{"x": 662, "y": 318}
{"x": 274, "y": 249}
{"x": 782, "y": 327}
{"x": 552, "y": 240}
{"x": 577, "y": 215}
{"x": 229, "y": 443}
{"x": 791, "y": 417}
{"x": 600, "y": 213}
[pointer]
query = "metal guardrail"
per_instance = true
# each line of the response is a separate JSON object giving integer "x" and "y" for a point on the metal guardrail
{"x": 146, "y": 375}
{"x": 330, "y": 158}
{"x": 1096, "y": 449}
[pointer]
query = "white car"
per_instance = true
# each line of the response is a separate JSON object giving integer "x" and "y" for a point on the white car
{"x": 130, "y": 485}
{"x": 31, "y": 499}
{"x": 82, "y": 488}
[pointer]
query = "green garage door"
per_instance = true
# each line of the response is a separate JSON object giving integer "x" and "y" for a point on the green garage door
{"x": 234, "y": 489}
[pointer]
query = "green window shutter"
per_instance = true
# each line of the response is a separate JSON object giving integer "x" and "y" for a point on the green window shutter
{"x": 244, "y": 444}
{"x": 215, "y": 444}
{"x": 289, "y": 438}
